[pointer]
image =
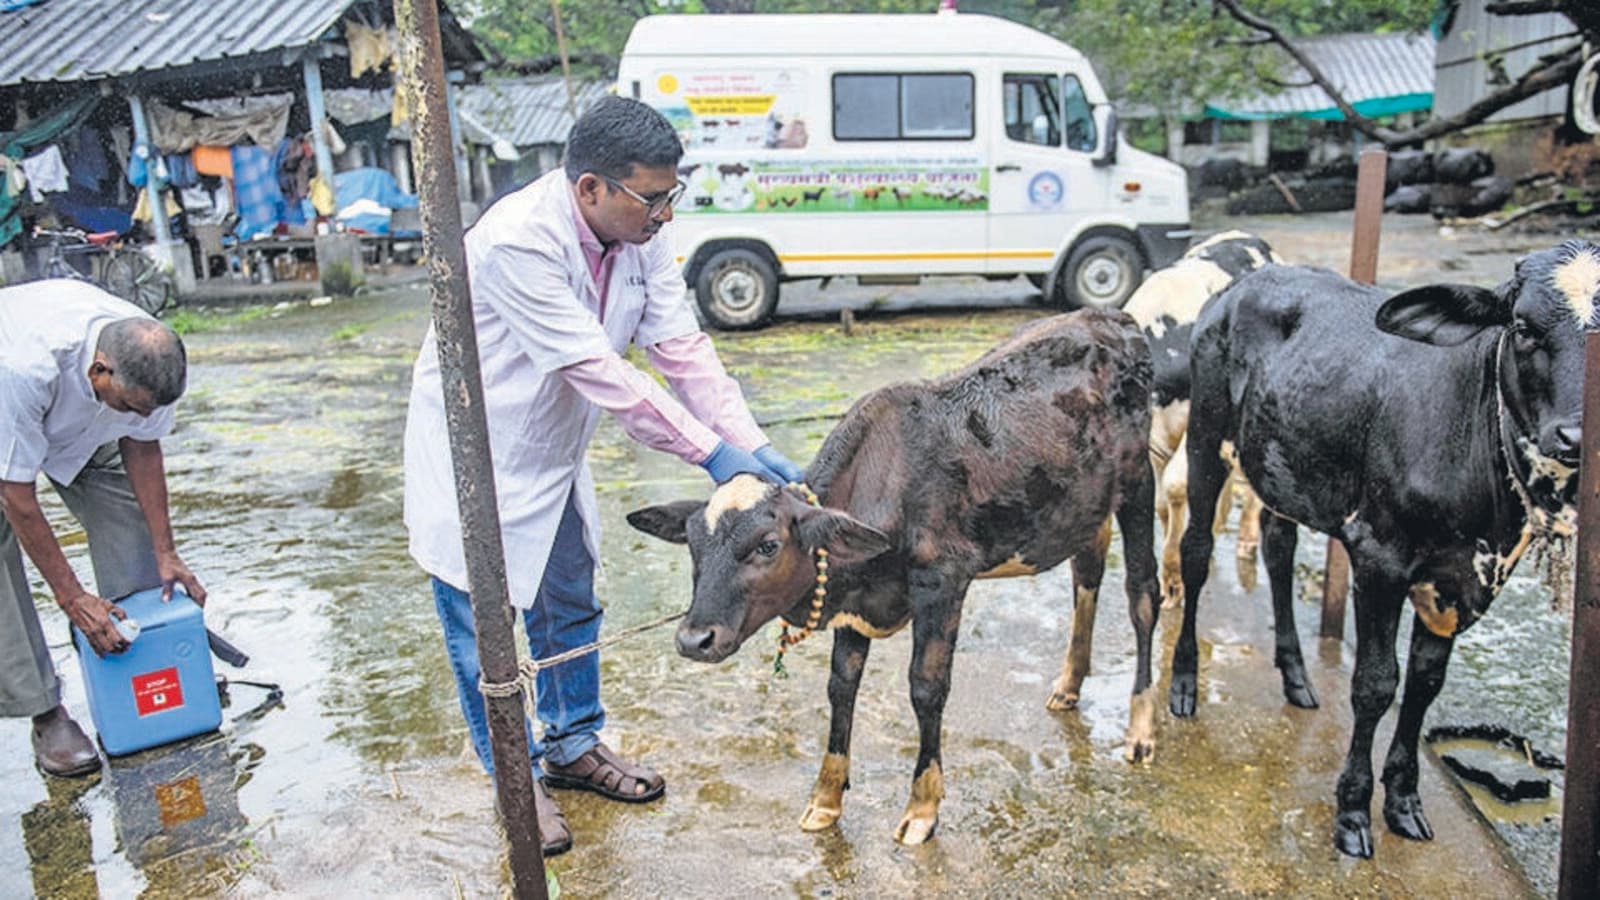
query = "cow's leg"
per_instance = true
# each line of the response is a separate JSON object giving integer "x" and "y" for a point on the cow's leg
{"x": 936, "y": 619}
{"x": 1208, "y": 475}
{"x": 1249, "y": 518}
{"x": 1280, "y": 537}
{"x": 1137, "y": 519}
{"x": 1174, "y": 502}
{"x": 1088, "y": 568}
{"x": 1402, "y": 806}
{"x": 1372, "y": 687}
{"x": 827, "y": 795}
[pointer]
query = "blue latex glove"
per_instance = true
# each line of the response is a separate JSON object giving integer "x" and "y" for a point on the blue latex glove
{"x": 727, "y": 461}
{"x": 777, "y": 462}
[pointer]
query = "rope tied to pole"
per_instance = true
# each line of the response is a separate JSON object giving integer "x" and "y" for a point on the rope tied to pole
{"x": 528, "y": 669}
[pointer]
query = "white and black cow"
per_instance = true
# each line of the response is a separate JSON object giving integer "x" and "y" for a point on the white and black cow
{"x": 1165, "y": 306}
{"x": 1434, "y": 433}
{"x": 1007, "y": 467}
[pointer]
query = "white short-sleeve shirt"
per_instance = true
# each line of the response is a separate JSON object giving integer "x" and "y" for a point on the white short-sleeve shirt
{"x": 50, "y": 420}
{"x": 536, "y": 310}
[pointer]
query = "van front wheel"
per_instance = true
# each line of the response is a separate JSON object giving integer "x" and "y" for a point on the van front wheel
{"x": 736, "y": 289}
{"x": 1101, "y": 272}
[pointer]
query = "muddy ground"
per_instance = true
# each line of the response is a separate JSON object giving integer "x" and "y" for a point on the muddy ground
{"x": 286, "y": 483}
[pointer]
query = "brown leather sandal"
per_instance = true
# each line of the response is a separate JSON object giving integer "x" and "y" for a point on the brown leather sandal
{"x": 601, "y": 770}
{"x": 555, "y": 837}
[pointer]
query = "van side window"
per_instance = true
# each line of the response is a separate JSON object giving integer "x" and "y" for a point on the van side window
{"x": 1033, "y": 109}
{"x": 903, "y": 107}
{"x": 1080, "y": 117}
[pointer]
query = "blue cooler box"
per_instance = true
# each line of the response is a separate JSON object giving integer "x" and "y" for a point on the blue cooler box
{"x": 162, "y": 688}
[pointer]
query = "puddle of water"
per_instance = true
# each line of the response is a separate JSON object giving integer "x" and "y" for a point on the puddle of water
{"x": 287, "y": 500}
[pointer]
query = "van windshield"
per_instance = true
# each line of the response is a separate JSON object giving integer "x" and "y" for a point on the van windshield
{"x": 1080, "y": 116}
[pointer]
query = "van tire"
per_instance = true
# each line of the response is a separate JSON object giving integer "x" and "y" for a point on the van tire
{"x": 736, "y": 289}
{"x": 1102, "y": 272}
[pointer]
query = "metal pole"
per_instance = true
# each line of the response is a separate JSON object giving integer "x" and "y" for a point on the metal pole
{"x": 422, "y": 65}
{"x": 152, "y": 185}
{"x": 1580, "y": 807}
{"x": 311, "y": 69}
{"x": 1363, "y": 268}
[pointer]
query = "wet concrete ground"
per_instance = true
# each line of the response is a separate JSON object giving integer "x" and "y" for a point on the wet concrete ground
{"x": 286, "y": 487}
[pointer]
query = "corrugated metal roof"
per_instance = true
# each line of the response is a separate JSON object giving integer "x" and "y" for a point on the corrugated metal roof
{"x": 87, "y": 40}
{"x": 1366, "y": 68}
{"x": 528, "y": 112}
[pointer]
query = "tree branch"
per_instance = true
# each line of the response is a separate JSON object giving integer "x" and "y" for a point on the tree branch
{"x": 1557, "y": 72}
{"x": 1550, "y": 72}
{"x": 1359, "y": 122}
{"x": 1523, "y": 7}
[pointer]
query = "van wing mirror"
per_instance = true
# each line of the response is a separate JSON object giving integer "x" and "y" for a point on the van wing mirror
{"x": 1105, "y": 122}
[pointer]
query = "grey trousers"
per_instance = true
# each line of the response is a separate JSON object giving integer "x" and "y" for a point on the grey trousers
{"x": 101, "y": 499}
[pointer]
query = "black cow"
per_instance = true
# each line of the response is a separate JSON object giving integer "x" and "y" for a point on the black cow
{"x": 1007, "y": 467}
{"x": 1435, "y": 434}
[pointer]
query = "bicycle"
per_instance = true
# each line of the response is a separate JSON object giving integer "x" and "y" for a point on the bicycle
{"x": 123, "y": 270}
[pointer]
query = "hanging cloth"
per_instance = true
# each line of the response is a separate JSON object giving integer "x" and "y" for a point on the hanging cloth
{"x": 16, "y": 144}
{"x": 46, "y": 172}
{"x": 210, "y": 159}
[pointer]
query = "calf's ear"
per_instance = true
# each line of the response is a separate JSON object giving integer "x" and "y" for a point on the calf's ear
{"x": 847, "y": 540}
{"x": 669, "y": 521}
{"x": 1442, "y": 314}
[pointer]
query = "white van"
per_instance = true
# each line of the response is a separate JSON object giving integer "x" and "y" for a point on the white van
{"x": 890, "y": 147}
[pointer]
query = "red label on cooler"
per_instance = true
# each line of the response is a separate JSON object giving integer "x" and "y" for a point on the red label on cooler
{"x": 157, "y": 691}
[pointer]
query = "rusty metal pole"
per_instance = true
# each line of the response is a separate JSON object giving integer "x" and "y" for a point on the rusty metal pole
{"x": 422, "y": 65}
{"x": 1580, "y": 806}
{"x": 1363, "y": 268}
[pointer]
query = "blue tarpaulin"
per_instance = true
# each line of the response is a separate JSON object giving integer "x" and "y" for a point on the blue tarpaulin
{"x": 364, "y": 197}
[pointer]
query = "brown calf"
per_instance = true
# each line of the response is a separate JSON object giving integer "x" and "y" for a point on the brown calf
{"x": 1007, "y": 467}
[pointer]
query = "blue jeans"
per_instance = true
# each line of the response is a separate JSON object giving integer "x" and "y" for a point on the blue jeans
{"x": 565, "y": 614}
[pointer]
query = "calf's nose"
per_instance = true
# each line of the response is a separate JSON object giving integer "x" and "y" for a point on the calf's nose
{"x": 1563, "y": 442}
{"x": 695, "y": 643}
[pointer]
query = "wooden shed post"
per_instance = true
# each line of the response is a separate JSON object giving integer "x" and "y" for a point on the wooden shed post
{"x": 1580, "y": 803}
{"x": 1363, "y": 268}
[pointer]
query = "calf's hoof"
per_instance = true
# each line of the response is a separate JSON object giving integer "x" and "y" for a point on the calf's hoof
{"x": 1297, "y": 688}
{"x": 819, "y": 818}
{"x": 1139, "y": 745}
{"x": 1403, "y": 813}
{"x": 1062, "y": 700}
{"x": 914, "y": 830}
{"x": 1181, "y": 696}
{"x": 1139, "y": 750}
{"x": 1352, "y": 834}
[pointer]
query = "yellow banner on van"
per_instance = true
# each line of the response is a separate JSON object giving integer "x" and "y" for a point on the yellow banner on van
{"x": 730, "y": 104}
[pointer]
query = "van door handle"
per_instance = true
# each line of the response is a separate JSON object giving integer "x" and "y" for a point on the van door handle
{"x": 1008, "y": 167}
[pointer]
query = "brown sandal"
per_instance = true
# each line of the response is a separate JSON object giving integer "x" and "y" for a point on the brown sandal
{"x": 555, "y": 837}
{"x": 601, "y": 770}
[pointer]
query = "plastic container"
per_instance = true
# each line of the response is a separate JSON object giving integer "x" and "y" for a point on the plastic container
{"x": 162, "y": 688}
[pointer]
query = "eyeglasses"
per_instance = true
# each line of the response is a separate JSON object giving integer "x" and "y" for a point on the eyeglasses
{"x": 654, "y": 205}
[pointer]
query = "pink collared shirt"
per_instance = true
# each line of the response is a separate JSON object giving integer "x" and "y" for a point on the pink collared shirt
{"x": 712, "y": 407}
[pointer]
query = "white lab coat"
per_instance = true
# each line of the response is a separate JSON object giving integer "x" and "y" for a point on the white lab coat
{"x": 536, "y": 308}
